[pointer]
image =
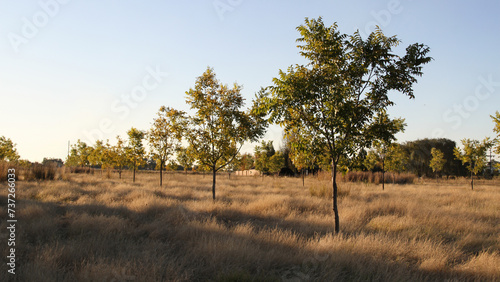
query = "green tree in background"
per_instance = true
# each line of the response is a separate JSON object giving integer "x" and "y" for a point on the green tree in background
{"x": 473, "y": 155}
{"x": 419, "y": 153}
{"x": 396, "y": 159}
{"x": 8, "y": 151}
{"x": 263, "y": 154}
{"x": 119, "y": 156}
{"x": 245, "y": 162}
{"x": 340, "y": 97}
{"x": 276, "y": 163}
{"x": 80, "y": 155}
{"x": 108, "y": 157}
{"x": 135, "y": 149}
{"x": 219, "y": 127}
{"x": 438, "y": 161}
{"x": 165, "y": 135}
{"x": 96, "y": 157}
{"x": 185, "y": 158}
{"x": 300, "y": 150}
{"x": 496, "y": 129}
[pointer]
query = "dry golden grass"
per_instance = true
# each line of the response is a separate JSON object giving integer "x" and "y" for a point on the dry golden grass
{"x": 91, "y": 228}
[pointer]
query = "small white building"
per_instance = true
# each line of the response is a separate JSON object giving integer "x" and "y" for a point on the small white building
{"x": 248, "y": 172}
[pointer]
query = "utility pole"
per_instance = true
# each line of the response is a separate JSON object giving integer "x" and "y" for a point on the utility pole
{"x": 68, "y": 149}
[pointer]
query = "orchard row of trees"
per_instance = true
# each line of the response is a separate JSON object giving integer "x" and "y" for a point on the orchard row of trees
{"x": 333, "y": 107}
{"x": 214, "y": 134}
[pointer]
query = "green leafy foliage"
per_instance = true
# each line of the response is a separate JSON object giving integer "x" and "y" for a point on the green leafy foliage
{"x": 438, "y": 161}
{"x": 118, "y": 155}
{"x": 419, "y": 157}
{"x": 276, "y": 163}
{"x": 396, "y": 159}
{"x": 496, "y": 129}
{"x": 165, "y": 135}
{"x": 473, "y": 155}
{"x": 267, "y": 159}
{"x": 80, "y": 154}
{"x": 135, "y": 150}
{"x": 97, "y": 154}
{"x": 8, "y": 151}
{"x": 245, "y": 161}
{"x": 263, "y": 154}
{"x": 219, "y": 127}
{"x": 185, "y": 158}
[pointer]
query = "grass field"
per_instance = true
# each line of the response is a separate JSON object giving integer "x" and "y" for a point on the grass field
{"x": 90, "y": 228}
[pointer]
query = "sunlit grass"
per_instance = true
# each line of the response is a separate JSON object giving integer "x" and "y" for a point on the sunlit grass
{"x": 89, "y": 227}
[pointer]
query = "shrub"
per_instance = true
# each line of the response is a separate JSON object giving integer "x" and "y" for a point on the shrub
{"x": 376, "y": 177}
{"x": 41, "y": 172}
{"x": 4, "y": 170}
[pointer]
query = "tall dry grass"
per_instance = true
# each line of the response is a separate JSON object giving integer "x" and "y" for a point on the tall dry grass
{"x": 91, "y": 228}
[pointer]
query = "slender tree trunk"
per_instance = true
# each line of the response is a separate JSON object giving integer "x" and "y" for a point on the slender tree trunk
{"x": 335, "y": 206}
{"x": 161, "y": 173}
{"x": 383, "y": 174}
{"x": 472, "y": 180}
{"x": 213, "y": 183}
{"x": 472, "y": 175}
{"x": 134, "y": 173}
{"x": 302, "y": 177}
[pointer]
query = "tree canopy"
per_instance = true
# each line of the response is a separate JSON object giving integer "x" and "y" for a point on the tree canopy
{"x": 219, "y": 126}
{"x": 473, "y": 155}
{"x": 8, "y": 151}
{"x": 166, "y": 134}
{"x": 438, "y": 161}
{"x": 496, "y": 129}
{"x": 135, "y": 149}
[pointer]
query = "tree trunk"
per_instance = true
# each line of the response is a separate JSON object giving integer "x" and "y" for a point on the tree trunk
{"x": 213, "y": 183}
{"x": 134, "y": 173}
{"x": 335, "y": 206}
{"x": 472, "y": 176}
{"x": 302, "y": 177}
{"x": 471, "y": 180}
{"x": 383, "y": 174}
{"x": 161, "y": 173}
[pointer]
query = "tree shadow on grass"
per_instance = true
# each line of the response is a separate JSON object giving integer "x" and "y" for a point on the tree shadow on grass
{"x": 65, "y": 240}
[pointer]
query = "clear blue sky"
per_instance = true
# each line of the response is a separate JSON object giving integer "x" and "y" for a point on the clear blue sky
{"x": 77, "y": 69}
